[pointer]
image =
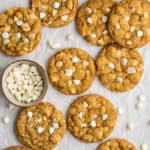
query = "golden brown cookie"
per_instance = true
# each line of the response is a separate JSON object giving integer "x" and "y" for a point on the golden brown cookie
{"x": 16, "y": 148}
{"x": 71, "y": 71}
{"x": 129, "y": 23}
{"x": 40, "y": 126}
{"x": 92, "y": 20}
{"x": 55, "y": 13}
{"x": 91, "y": 118}
{"x": 119, "y": 69}
{"x": 20, "y": 31}
{"x": 116, "y": 144}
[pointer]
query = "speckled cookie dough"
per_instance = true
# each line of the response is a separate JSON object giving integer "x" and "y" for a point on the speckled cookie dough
{"x": 55, "y": 13}
{"x": 92, "y": 20}
{"x": 119, "y": 69}
{"x": 71, "y": 71}
{"x": 40, "y": 126}
{"x": 91, "y": 118}
{"x": 116, "y": 144}
{"x": 129, "y": 23}
{"x": 20, "y": 31}
{"x": 16, "y": 148}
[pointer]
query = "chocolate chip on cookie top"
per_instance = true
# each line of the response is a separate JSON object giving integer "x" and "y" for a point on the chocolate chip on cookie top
{"x": 55, "y": 13}
{"x": 129, "y": 23}
{"x": 119, "y": 69}
{"x": 71, "y": 71}
{"x": 91, "y": 118}
{"x": 92, "y": 19}
{"x": 20, "y": 31}
{"x": 116, "y": 144}
{"x": 40, "y": 125}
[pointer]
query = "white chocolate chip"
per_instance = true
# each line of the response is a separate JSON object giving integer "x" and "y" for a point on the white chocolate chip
{"x": 148, "y": 1}
{"x": 70, "y": 37}
{"x": 18, "y": 35}
{"x": 80, "y": 115}
{"x": 6, "y": 41}
{"x": 85, "y": 63}
{"x": 120, "y": 111}
{"x": 25, "y": 40}
{"x": 130, "y": 125}
{"x": 93, "y": 35}
{"x": 140, "y": 33}
{"x": 29, "y": 114}
{"x": 59, "y": 64}
{"x": 56, "y": 5}
{"x": 64, "y": 17}
{"x": 104, "y": 19}
{"x": 42, "y": 15}
{"x": 40, "y": 130}
{"x": 5, "y": 35}
{"x": 83, "y": 125}
{"x": 117, "y": 26}
{"x": 19, "y": 22}
{"x": 111, "y": 65}
{"x": 16, "y": 18}
{"x": 127, "y": 18}
{"x": 54, "y": 12}
{"x": 108, "y": 10}
{"x": 55, "y": 125}
{"x": 104, "y": 117}
{"x": 144, "y": 147}
{"x": 132, "y": 28}
{"x": 105, "y": 32}
{"x": 119, "y": 79}
{"x": 75, "y": 59}
{"x": 89, "y": 20}
{"x": 131, "y": 70}
{"x": 85, "y": 104}
{"x": 88, "y": 10}
{"x": 5, "y": 120}
{"x": 76, "y": 82}
{"x": 139, "y": 105}
{"x": 68, "y": 72}
{"x": 141, "y": 97}
{"x": 93, "y": 124}
{"x": 53, "y": 44}
{"x": 51, "y": 130}
{"x": 124, "y": 61}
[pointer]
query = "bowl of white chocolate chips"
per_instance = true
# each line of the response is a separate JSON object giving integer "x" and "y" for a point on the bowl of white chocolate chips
{"x": 24, "y": 83}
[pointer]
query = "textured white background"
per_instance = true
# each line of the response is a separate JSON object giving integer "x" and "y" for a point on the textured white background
{"x": 140, "y": 134}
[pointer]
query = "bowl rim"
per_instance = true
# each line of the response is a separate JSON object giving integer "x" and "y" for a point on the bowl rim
{"x": 44, "y": 76}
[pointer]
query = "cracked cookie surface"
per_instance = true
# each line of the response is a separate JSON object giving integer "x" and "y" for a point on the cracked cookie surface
{"x": 91, "y": 118}
{"x": 16, "y": 148}
{"x": 117, "y": 144}
{"x": 20, "y": 31}
{"x": 92, "y": 20}
{"x": 129, "y": 23}
{"x": 119, "y": 69}
{"x": 55, "y": 13}
{"x": 71, "y": 71}
{"x": 40, "y": 126}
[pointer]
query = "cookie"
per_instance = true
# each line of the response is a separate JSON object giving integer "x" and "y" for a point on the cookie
{"x": 92, "y": 20}
{"x": 117, "y": 144}
{"x": 16, "y": 148}
{"x": 40, "y": 126}
{"x": 20, "y": 31}
{"x": 55, "y": 13}
{"x": 71, "y": 71}
{"x": 119, "y": 69}
{"x": 129, "y": 23}
{"x": 91, "y": 118}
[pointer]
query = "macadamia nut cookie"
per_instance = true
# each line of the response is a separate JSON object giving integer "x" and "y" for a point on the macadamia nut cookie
{"x": 92, "y": 20}
{"x": 40, "y": 126}
{"x": 55, "y": 13}
{"x": 71, "y": 71}
{"x": 16, "y": 148}
{"x": 129, "y": 23}
{"x": 119, "y": 69}
{"x": 91, "y": 118}
{"x": 20, "y": 31}
{"x": 117, "y": 144}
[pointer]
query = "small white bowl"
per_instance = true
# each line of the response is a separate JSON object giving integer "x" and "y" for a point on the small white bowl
{"x": 11, "y": 99}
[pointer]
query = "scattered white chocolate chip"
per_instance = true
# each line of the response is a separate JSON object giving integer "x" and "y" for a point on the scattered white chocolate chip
{"x": 56, "y": 5}
{"x": 51, "y": 130}
{"x": 104, "y": 117}
{"x": 64, "y": 17}
{"x": 132, "y": 28}
{"x": 5, "y": 119}
{"x": 75, "y": 59}
{"x": 117, "y": 26}
{"x": 144, "y": 147}
{"x": 141, "y": 97}
{"x": 70, "y": 37}
{"x": 88, "y": 10}
{"x": 29, "y": 114}
{"x": 108, "y": 10}
{"x": 124, "y": 61}
{"x": 119, "y": 79}
{"x": 120, "y": 111}
{"x": 55, "y": 125}
{"x": 85, "y": 63}
{"x": 19, "y": 22}
{"x": 111, "y": 65}
{"x": 68, "y": 72}
{"x": 42, "y": 15}
{"x": 53, "y": 44}
{"x": 139, "y": 105}
{"x": 130, "y": 125}
{"x": 104, "y": 19}
{"x": 127, "y": 18}
{"x": 131, "y": 70}
{"x": 83, "y": 125}
{"x": 80, "y": 115}
{"x": 105, "y": 32}
{"x": 25, "y": 40}
{"x": 40, "y": 130}
{"x": 140, "y": 33}
{"x": 59, "y": 64}
{"x": 18, "y": 35}
{"x": 89, "y": 20}
{"x": 5, "y": 35}
{"x": 93, "y": 35}
{"x": 85, "y": 104}
{"x": 93, "y": 124}
{"x": 76, "y": 82}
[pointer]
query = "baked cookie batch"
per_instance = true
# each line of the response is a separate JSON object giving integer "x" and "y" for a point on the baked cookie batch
{"x": 119, "y": 26}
